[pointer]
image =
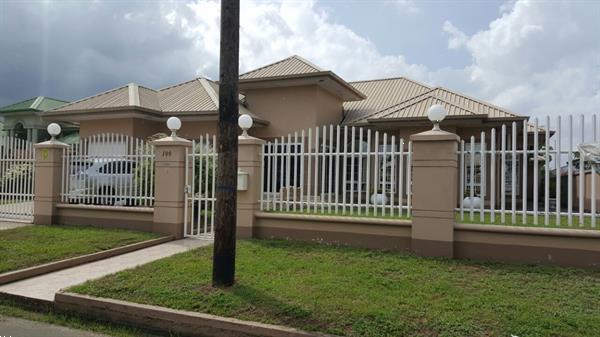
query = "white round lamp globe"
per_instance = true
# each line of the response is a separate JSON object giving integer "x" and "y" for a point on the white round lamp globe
{"x": 436, "y": 115}
{"x": 245, "y": 122}
{"x": 53, "y": 130}
{"x": 174, "y": 124}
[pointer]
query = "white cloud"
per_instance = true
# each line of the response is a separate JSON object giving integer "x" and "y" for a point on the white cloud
{"x": 274, "y": 30}
{"x": 457, "y": 38}
{"x": 538, "y": 58}
{"x": 407, "y": 6}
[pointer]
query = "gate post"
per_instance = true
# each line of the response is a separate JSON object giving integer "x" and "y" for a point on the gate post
{"x": 435, "y": 183}
{"x": 47, "y": 180}
{"x": 249, "y": 171}
{"x": 169, "y": 193}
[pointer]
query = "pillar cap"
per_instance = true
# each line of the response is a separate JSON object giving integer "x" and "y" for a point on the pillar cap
{"x": 434, "y": 135}
{"x": 51, "y": 144}
{"x": 249, "y": 140}
{"x": 170, "y": 141}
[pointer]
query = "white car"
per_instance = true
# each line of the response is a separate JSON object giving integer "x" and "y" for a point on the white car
{"x": 102, "y": 182}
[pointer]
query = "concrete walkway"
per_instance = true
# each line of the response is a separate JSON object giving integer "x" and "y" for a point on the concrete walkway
{"x": 5, "y": 224}
{"x": 16, "y": 327}
{"x": 45, "y": 286}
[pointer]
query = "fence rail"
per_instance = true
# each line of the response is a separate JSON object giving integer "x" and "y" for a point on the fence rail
{"x": 337, "y": 170}
{"x": 518, "y": 175}
{"x": 201, "y": 164}
{"x": 17, "y": 159}
{"x": 109, "y": 169}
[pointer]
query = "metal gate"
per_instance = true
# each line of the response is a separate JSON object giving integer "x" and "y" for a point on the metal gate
{"x": 201, "y": 161}
{"x": 16, "y": 179}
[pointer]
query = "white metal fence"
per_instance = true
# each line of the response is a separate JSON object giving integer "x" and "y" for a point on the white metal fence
{"x": 337, "y": 170}
{"x": 200, "y": 188}
{"x": 17, "y": 159}
{"x": 109, "y": 169}
{"x": 531, "y": 173}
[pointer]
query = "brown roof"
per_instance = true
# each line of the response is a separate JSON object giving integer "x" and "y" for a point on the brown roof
{"x": 455, "y": 103}
{"x": 381, "y": 94}
{"x": 293, "y": 65}
{"x": 197, "y": 95}
{"x": 194, "y": 95}
{"x": 114, "y": 98}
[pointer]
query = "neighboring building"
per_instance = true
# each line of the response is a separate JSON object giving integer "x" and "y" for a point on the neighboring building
{"x": 25, "y": 120}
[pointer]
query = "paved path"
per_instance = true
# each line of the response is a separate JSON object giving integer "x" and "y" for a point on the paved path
{"x": 45, "y": 286}
{"x": 17, "y": 327}
{"x": 5, "y": 224}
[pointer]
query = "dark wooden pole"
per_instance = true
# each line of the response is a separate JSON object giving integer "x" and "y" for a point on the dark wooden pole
{"x": 227, "y": 138}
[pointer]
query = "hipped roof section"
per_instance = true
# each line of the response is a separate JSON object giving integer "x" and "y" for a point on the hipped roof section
{"x": 296, "y": 71}
{"x": 196, "y": 96}
{"x": 457, "y": 105}
{"x": 40, "y": 103}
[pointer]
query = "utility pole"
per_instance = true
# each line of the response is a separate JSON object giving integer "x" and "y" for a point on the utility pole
{"x": 227, "y": 139}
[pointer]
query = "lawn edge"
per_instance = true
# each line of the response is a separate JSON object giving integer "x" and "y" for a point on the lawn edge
{"x": 21, "y": 274}
{"x": 156, "y": 318}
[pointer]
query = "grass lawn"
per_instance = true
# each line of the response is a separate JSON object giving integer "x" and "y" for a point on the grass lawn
{"x": 529, "y": 220}
{"x": 34, "y": 245}
{"x": 487, "y": 219}
{"x": 48, "y": 315}
{"x": 357, "y": 292}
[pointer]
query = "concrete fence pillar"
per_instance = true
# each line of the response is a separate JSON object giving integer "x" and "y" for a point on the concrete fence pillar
{"x": 47, "y": 181}
{"x": 249, "y": 163}
{"x": 435, "y": 184}
{"x": 169, "y": 191}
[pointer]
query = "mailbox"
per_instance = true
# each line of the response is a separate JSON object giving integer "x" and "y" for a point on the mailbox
{"x": 242, "y": 181}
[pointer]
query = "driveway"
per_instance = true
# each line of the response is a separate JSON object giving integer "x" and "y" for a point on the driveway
{"x": 17, "y": 327}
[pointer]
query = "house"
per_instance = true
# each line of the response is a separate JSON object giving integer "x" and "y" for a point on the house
{"x": 26, "y": 120}
{"x": 287, "y": 96}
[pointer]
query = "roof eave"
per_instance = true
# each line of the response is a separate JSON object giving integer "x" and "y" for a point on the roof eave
{"x": 355, "y": 92}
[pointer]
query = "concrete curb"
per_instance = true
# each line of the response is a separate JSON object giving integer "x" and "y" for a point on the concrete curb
{"x": 79, "y": 260}
{"x": 155, "y": 318}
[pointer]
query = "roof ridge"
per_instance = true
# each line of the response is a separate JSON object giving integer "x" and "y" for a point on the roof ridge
{"x": 90, "y": 97}
{"x": 394, "y": 78}
{"x": 307, "y": 62}
{"x": 209, "y": 90}
{"x": 299, "y": 58}
{"x": 394, "y": 105}
{"x": 37, "y": 102}
{"x": 179, "y": 84}
{"x": 480, "y": 101}
{"x": 417, "y": 99}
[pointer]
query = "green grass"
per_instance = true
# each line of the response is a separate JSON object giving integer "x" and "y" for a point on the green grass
{"x": 357, "y": 292}
{"x": 48, "y": 315}
{"x": 34, "y": 245}
{"x": 487, "y": 219}
{"x": 386, "y": 214}
{"x": 529, "y": 220}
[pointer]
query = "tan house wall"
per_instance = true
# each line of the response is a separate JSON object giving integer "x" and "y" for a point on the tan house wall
{"x": 587, "y": 192}
{"x": 136, "y": 127}
{"x": 293, "y": 109}
{"x": 193, "y": 130}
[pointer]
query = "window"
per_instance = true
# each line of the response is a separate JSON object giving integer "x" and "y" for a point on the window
{"x": 477, "y": 177}
{"x": 387, "y": 177}
{"x": 356, "y": 170}
{"x": 276, "y": 167}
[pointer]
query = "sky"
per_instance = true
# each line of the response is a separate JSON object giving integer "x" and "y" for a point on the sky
{"x": 532, "y": 57}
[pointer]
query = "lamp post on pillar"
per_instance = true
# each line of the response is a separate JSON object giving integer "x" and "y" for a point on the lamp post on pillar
{"x": 169, "y": 192}
{"x": 48, "y": 177}
{"x": 435, "y": 184}
{"x": 249, "y": 177}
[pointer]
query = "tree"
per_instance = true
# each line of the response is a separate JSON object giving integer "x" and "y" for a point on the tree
{"x": 227, "y": 142}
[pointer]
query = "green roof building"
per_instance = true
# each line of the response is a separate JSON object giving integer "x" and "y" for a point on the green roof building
{"x": 25, "y": 120}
